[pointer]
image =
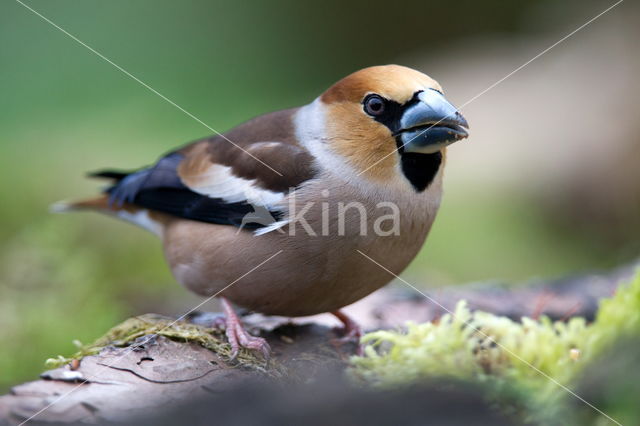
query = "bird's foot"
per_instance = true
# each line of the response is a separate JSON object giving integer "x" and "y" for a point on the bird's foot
{"x": 351, "y": 331}
{"x": 239, "y": 337}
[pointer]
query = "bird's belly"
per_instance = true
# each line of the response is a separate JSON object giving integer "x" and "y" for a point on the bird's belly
{"x": 280, "y": 274}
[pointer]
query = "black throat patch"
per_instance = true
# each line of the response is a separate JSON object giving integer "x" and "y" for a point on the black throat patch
{"x": 420, "y": 169}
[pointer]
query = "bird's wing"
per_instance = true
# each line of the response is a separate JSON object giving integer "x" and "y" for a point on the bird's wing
{"x": 238, "y": 179}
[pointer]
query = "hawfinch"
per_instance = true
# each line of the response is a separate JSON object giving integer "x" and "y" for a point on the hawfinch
{"x": 283, "y": 214}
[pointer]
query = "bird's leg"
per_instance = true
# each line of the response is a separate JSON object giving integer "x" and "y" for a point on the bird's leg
{"x": 239, "y": 337}
{"x": 351, "y": 331}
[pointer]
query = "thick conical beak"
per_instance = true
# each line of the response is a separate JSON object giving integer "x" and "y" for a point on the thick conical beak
{"x": 431, "y": 124}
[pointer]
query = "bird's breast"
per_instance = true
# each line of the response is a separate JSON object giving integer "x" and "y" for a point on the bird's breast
{"x": 317, "y": 262}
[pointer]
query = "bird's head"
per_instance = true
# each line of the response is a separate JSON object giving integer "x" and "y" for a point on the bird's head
{"x": 390, "y": 118}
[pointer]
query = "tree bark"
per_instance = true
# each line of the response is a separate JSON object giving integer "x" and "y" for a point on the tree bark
{"x": 119, "y": 383}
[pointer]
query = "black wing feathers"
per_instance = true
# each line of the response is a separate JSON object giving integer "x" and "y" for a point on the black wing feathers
{"x": 159, "y": 188}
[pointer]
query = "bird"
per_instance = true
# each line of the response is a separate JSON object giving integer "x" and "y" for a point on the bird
{"x": 286, "y": 213}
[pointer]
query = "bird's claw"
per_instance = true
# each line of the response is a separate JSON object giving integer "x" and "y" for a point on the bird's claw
{"x": 239, "y": 337}
{"x": 351, "y": 332}
{"x": 349, "y": 335}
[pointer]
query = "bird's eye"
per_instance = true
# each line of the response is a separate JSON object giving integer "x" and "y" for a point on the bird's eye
{"x": 374, "y": 105}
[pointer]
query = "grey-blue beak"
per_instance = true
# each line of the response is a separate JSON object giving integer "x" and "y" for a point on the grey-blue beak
{"x": 431, "y": 124}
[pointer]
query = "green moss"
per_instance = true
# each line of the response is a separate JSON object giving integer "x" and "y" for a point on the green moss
{"x": 127, "y": 332}
{"x": 531, "y": 360}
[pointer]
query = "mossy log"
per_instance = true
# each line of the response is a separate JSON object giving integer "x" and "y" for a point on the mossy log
{"x": 150, "y": 362}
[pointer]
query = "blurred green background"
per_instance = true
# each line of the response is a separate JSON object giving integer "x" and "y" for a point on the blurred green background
{"x": 507, "y": 214}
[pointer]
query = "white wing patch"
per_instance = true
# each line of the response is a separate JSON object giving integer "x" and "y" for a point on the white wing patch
{"x": 142, "y": 219}
{"x": 219, "y": 182}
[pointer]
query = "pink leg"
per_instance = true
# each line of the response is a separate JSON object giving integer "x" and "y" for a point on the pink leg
{"x": 351, "y": 330}
{"x": 238, "y": 336}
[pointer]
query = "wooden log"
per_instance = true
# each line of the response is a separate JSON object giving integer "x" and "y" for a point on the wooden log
{"x": 157, "y": 372}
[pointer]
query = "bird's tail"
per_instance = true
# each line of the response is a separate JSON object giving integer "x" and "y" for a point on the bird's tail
{"x": 116, "y": 175}
{"x": 99, "y": 203}
{"x": 151, "y": 221}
